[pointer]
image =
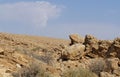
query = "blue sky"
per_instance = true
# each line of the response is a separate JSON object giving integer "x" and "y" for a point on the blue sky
{"x": 59, "y": 18}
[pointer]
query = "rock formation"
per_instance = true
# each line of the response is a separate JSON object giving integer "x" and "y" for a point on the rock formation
{"x": 90, "y": 49}
{"x": 101, "y": 57}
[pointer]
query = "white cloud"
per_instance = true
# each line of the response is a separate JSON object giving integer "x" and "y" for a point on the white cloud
{"x": 34, "y": 13}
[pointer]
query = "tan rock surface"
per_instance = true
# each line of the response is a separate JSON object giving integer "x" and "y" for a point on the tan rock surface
{"x": 75, "y": 38}
{"x": 73, "y": 52}
{"x": 56, "y": 55}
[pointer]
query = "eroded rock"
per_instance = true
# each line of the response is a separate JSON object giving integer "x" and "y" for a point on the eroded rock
{"x": 117, "y": 71}
{"x": 114, "y": 50}
{"x": 103, "y": 47}
{"x": 73, "y": 52}
{"x": 112, "y": 63}
{"x": 106, "y": 74}
{"x": 75, "y": 38}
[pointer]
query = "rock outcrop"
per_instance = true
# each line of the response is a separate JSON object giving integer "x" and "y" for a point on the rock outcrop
{"x": 114, "y": 49}
{"x": 100, "y": 56}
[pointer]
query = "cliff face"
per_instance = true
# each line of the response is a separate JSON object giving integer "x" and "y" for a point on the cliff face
{"x": 56, "y": 56}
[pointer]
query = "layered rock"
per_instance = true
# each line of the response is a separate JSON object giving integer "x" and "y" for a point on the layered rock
{"x": 114, "y": 50}
{"x": 73, "y": 52}
{"x": 100, "y": 56}
{"x": 75, "y": 38}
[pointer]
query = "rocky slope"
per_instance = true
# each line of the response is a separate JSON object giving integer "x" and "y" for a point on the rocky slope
{"x": 57, "y": 55}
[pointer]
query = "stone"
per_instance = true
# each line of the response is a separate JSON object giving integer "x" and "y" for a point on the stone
{"x": 114, "y": 50}
{"x": 91, "y": 45}
{"x": 106, "y": 74}
{"x": 18, "y": 65}
{"x": 112, "y": 63}
{"x": 73, "y": 52}
{"x": 1, "y": 50}
{"x": 103, "y": 47}
{"x": 75, "y": 38}
{"x": 117, "y": 71}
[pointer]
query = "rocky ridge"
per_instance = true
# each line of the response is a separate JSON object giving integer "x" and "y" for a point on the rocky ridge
{"x": 100, "y": 56}
{"x": 56, "y": 56}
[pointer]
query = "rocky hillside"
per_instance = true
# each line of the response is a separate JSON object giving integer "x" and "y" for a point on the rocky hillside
{"x": 21, "y": 55}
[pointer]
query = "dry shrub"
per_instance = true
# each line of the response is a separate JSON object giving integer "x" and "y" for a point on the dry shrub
{"x": 35, "y": 70}
{"x": 79, "y": 72}
{"x": 46, "y": 58}
{"x": 98, "y": 66}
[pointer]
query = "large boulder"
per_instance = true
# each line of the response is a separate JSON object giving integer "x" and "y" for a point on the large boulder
{"x": 73, "y": 52}
{"x": 114, "y": 50}
{"x": 91, "y": 45}
{"x": 75, "y": 38}
{"x": 103, "y": 47}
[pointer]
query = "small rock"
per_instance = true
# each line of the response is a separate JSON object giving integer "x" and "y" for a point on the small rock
{"x": 1, "y": 50}
{"x": 8, "y": 71}
{"x": 18, "y": 65}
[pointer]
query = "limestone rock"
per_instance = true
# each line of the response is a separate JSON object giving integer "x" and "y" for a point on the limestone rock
{"x": 75, "y": 38}
{"x": 114, "y": 50}
{"x": 105, "y": 74}
{"x": 112, "y": 63}
{"x": 73, "y": 52}
{"x": 103, "y": 47}
{"x": 91, "y": 42}
{"x": 91, "y": 45}
{"x": 117, "y": 71}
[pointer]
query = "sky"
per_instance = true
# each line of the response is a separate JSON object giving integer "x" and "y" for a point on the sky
{"x": 60, "y": 18}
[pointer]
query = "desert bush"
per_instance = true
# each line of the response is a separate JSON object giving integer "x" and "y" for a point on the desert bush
{"x": 79, "y": 72}
{"x": 46, "y": 58}
{"x": 36, "y": 49}
{"x": 21, "y": 50}
{"x": 35, "y": 70}
{"x": 98, "y": 66}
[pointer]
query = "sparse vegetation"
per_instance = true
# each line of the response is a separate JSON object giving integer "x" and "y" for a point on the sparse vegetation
{"x": 37, "y": 48}
{"x": 35, "y": 70}
{"x": 47, "y": 58}
{"x": 46, "y": 55}
{"x": 80, "y": 72}
{"x": 98, "y": 66}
